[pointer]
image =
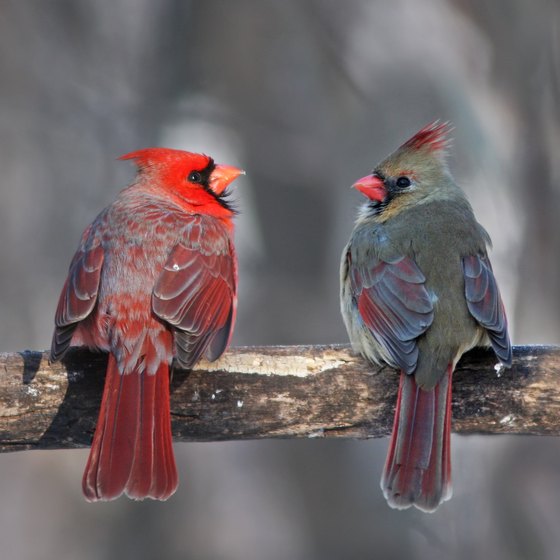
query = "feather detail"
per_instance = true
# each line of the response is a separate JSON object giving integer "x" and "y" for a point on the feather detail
{"x": 197, "y": 293}
{"x": 132, "y": 449}
{"x": 167, "y": 159}
{"x": 78, "y": 296}
{"x": 433, "y": 137}
{"x": 485, "y": 304}
{"x": 418, "y": 467}
{"x": 395, "y": 306}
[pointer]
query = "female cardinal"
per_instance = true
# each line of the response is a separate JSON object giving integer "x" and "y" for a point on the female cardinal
{"x": 154, "y": 277}
{"x": 418, "y": 291}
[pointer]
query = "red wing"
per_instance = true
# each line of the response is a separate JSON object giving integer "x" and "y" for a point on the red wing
{"x": 485, "y": 304}
{"x": 196, "y": 293}
{"x": 78, "y": 296}
{"x": 394, "y": 304}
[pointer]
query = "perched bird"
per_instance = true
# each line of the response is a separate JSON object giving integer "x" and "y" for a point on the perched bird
{"x": 154, "y": 277}
{"x": 417, "y": 292}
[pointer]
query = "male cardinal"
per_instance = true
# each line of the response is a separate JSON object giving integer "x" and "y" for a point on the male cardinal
{"x": 154, "y": 277}
{"x": 417, "y": 292}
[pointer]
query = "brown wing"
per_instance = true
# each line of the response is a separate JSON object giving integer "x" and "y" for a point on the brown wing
{"x": 394, "y": 304}
{"x": 485, "y": 304}
{"x": 78, "y": 296}
{"x": 197, "y": 294}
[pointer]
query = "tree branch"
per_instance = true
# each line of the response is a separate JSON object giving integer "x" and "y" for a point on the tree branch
{"x": 277, "y": 391}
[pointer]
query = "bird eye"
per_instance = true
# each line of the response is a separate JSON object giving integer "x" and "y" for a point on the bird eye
{"x": 195, "y": 177}
{"x": 403, "y": 182}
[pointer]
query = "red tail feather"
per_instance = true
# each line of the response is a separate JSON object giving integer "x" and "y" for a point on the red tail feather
{"x": 418, "y": 467}
{"x": 132, "y": 447}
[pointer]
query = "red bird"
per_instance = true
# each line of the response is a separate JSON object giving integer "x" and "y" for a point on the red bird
{"x": 154, "y": 277}
{"x": 418, "y": 291}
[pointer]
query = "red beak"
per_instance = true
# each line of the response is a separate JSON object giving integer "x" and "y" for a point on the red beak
{"x": 372, "y": 187}
{"x": 222, "y": 176}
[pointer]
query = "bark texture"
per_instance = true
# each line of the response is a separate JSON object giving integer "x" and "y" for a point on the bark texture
{"x": 275, "y": 392}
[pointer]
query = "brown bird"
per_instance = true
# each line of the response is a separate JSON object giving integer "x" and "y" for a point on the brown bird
{"x": 417, "y": 292}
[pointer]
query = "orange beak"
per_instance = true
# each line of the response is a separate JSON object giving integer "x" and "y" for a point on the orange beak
{"x": 372, "y": 187}
{"x": 222, "y": 176}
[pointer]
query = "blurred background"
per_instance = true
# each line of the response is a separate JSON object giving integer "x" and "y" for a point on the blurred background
{"x": 307, "y": 96}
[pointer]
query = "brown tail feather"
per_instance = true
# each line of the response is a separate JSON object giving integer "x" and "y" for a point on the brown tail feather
{"x": 418, "y": 467}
